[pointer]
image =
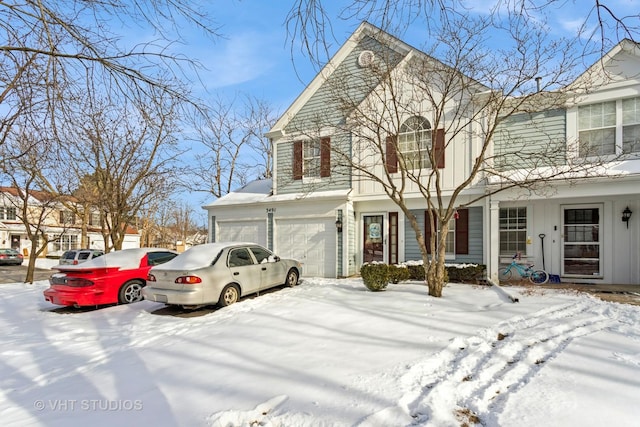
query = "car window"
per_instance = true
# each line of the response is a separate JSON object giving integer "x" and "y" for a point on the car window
{"x": 68, "y": 255}
{"x": 83, "y": 255}
{"x": 239, "y": 257}
{"x": 261, "y": 254}
{"x": 157, "y": 258}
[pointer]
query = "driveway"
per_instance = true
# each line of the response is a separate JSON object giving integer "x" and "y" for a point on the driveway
{"x": 17, "y": 273}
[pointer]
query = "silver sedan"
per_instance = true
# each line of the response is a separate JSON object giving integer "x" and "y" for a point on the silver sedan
{"x": 219, "y": 273}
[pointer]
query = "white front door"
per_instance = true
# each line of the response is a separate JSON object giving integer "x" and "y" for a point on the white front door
{"x": 582, "y": 240}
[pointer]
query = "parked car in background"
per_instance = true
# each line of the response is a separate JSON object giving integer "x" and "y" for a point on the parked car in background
{"x": 219, "y": 273}
{"x": 77, "y": 256}
{"x": 10, "y": 256}
{"x": 113, "y": 278}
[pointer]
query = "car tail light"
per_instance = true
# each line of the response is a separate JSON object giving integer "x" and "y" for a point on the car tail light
{"x": 188, "y": 280}
{"x": 75, "y": 262}
{"x": 77, "y": 282}
{"x": 151, "y": 278}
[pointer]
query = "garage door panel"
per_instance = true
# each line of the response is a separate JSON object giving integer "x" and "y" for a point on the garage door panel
{"x": 311, "y": 241}
{"x": 243, "y": 231}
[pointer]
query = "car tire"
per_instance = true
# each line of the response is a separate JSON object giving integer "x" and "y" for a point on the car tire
{"x": 131, "y": 292}
{"x": 292, "y": 278}
{"x": 229, "y": 295}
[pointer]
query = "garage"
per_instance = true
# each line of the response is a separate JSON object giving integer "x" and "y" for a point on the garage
{"x": 243, "y": 231}
{"x": 312, "y": 241}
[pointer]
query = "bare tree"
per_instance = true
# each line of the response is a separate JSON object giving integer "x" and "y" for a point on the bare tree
{"x": 23, "y": 169}
{"x": 309, "y": 23}
{"x": 408, "y": 109}
{"x": 123, "y": 156}
{"x": 229, "y": 145}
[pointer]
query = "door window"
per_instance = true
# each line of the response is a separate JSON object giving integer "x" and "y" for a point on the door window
{"x": 373, "y": 238}
{"x": 582, "y": 241}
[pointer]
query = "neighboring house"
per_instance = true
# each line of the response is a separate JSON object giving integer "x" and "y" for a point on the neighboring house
{"x": 62, "y": 226}
{"x": 317, "y": 211}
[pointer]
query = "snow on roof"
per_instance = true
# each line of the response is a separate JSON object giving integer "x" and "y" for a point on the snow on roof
{"x": 260, "y": 192}
{"x": 125, "y": 259}
{"x": 253, "y": 192}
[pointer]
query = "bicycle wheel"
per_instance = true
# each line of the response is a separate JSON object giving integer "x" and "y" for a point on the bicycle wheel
{"x": 505, "y": 274}
{"x": 539, "y": 277}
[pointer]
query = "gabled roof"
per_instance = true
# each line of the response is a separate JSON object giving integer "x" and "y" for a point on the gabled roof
{"x": 41, "y": 196}
{"x": 363, "y": 30}
{"x": 586, "y": 79}
{"x": 404, "y": 53}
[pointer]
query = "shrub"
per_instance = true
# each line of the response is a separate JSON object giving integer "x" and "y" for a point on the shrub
{"x": 416, "y": 272}
{"x": 375, "y": 276}
{"x": 398, "y": 273}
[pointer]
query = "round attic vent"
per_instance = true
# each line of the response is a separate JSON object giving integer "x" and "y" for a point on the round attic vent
{"x": 366, "y": 58}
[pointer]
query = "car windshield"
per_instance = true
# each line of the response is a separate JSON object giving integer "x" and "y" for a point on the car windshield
{"x": 195, "y": 257}
{"x": 68, "y": 255}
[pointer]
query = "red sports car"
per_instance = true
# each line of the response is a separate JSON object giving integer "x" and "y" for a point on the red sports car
{"x": 113, "y": 278}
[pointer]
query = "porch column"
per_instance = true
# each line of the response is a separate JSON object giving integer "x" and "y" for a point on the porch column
{"x": 493, "y": 265}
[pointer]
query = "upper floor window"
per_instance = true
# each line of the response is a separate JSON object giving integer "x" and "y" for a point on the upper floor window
{"x": 67, "y": 217}
{"x": 631, "y": 125}
{"x": 608, "y": 127}
{"x": 414, "y": 142}
{"x": 312, "y": 158}
{"x": 597, "y": 129}
{"x": 94, "y": 218}
{"x": 8, "y": 213}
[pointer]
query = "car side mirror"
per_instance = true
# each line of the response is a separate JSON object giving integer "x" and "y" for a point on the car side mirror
{"x": 276, "y": 258}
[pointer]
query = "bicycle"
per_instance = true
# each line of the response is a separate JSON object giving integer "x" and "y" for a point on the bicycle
{"x": 537, "y": 277}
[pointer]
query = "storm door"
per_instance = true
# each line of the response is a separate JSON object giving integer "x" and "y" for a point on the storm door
{"x": 582, "y": 241}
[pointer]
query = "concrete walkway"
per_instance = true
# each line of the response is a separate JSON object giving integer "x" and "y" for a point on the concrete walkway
{"x": 625, "y": 294}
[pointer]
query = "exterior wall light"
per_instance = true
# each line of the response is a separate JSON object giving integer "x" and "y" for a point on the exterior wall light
{"x": 339, "y": 225}
{"x": 626, "y": 215}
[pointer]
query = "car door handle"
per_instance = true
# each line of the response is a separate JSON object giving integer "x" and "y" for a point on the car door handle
{"x": 235, "y": 273}
{"x": 264, "y": 268}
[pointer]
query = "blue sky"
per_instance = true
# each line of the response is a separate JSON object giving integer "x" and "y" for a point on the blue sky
{"x": 255, "y": 55}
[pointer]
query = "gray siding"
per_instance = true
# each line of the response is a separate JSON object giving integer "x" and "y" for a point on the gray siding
{"x": 412, "y": 252}
{"x": 531, "y": 140}
{"x": 340, "y": 173}
{"x": 348, "y": 85}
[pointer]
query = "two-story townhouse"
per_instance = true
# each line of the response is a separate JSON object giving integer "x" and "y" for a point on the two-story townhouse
{"x": 318, "y": 208}
{"x": 325, "y": 211}
{"x": 61, "y": 225}
{"x": 583, "y": 229}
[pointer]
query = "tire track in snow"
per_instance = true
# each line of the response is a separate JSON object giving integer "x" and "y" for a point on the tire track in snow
{"x": 472, "y": 378}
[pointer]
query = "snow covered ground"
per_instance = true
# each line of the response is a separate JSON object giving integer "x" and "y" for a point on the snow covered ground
{"x": 326, "y": 353}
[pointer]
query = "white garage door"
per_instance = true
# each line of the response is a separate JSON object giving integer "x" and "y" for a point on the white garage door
{"x": 310, "y": 241}
{"x": 243, "y": 231}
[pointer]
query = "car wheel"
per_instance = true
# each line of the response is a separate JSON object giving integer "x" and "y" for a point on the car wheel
{"x": 230, "y": 294}
{"x": 292, "y": 278}
{"x": 131, "y": 292}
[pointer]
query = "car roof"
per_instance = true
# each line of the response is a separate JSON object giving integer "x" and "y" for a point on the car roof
{"x": 125, "y": 259}
{"x": 199, "y": 256}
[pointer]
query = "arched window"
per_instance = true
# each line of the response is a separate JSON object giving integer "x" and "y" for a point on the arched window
{"x": 414, "y": 142}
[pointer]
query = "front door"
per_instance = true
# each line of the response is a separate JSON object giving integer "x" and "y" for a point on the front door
{"x": 582, "y": 240}
{"x": 15, "y": 242}
{"x": 373, "y": 238}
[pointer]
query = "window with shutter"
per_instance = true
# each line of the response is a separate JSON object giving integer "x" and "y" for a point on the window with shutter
{"x": 457, "y": 241}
